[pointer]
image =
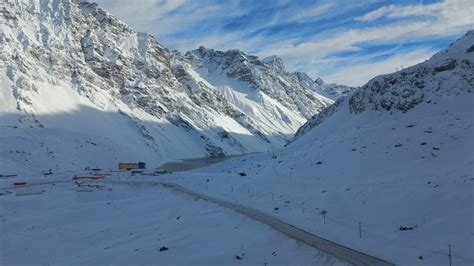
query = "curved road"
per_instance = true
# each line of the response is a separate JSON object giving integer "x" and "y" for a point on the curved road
{"x": 337, "y": 250}
{"x": 342, "y": 252}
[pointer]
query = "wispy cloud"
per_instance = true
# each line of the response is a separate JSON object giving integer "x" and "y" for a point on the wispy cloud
{"x": 328, "y": 39}
{"x": 435, "y": 9}
{"x": 361, "y": 72}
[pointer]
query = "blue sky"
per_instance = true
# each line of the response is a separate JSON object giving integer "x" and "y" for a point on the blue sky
{"x": 341, "y": 41}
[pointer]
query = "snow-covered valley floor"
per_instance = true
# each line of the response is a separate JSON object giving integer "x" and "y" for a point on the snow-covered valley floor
{"x": 62, "y": 223}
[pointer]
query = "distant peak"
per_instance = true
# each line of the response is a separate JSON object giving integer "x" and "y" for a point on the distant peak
{"x": 303, "y": 76}
{"x": 271, "y": 59}
{"x": 274, "y": 61}
{"x": 319, "y": 81}
{"x": 202, "y": 48}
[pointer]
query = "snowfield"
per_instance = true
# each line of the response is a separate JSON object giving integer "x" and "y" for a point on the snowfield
{"x": 93, "y": 223}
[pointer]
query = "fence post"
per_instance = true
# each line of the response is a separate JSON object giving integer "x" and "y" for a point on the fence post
{"x": 449, "y": 254}
{"x": 360, "y": 230}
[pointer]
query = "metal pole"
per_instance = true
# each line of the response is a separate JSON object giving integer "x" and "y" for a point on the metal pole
{"x": 449, "y": 255}
{"x": 360, "y": 230}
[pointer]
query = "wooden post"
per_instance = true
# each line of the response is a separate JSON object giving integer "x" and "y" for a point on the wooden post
{"x": 360, "y": 230}
{"x": 449, "y": 254}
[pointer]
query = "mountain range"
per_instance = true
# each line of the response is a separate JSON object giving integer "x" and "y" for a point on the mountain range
{"x": 73, "y": 74}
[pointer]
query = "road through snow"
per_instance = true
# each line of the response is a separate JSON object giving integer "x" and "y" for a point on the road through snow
{"x": 69, "y": 223}
{"x": 337, "y": 250}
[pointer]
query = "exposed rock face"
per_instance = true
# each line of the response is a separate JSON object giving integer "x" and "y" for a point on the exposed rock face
{"x": 447, "y": 73}
{"x": 59, "y": 56}
{"x": 268, "y": 76}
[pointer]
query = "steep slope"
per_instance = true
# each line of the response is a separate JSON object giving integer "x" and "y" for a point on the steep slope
{"x": 73, "y": 73}
{"x": 260, "y": 95}
{"x": 387, "y": 170}
{"x": 447, "y": 74}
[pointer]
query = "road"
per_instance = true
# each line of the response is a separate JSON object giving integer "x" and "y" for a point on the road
{"x": 337, "y": 250}
{"x": 342, "y": 252}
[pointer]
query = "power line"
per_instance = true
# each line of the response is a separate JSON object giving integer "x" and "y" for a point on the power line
{"x": 395, "y": 243}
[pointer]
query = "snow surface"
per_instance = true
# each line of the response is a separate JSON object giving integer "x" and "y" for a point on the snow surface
{"x": 120, "y": 224}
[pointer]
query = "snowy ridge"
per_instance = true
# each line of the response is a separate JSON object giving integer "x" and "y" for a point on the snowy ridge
{"x": 447, "y": 73}
{"x": 72, "y": 68}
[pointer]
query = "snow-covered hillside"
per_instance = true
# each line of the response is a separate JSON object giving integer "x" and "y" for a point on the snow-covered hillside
{"x": 387, "y": 170}
{"x": 73, "y": 74}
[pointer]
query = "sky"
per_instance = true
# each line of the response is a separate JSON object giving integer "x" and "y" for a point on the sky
{"x": 342, "y": 41}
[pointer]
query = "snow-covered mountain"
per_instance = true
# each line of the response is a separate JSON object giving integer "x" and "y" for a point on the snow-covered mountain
{"x": 448, "y": 73}
{"x": 390, "y": 166}
{"x": 331, "y": 91}
{"x": 73, "y": 74}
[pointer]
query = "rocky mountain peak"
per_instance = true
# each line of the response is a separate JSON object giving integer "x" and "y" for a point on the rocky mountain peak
{"x": 319, "y": 81}
{"x": 275, "y": 62}
{"x": 331, "y": 91}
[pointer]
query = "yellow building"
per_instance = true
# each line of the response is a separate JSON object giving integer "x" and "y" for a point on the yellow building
{"x": 128, "y": 166}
